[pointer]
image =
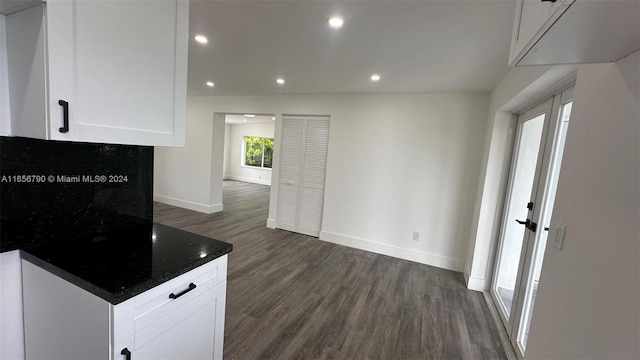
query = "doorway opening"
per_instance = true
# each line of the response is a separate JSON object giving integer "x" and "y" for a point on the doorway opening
{"x": 248, "y": 153}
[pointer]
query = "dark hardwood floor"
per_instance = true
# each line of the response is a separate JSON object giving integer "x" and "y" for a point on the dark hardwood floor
{"x": 292, "y": 296}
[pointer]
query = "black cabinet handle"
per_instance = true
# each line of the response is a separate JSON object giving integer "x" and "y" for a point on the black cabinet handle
{"x": 65, "y": 116}
{"x": 549, "y": 0}
{"x": 175, "y": 296}
{"x": 126, "y": 353}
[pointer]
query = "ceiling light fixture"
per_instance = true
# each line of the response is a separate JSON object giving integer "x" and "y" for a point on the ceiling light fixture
{"x": 201, "y": 39}
{"x": 336, "y": 22}
{"x": 273, "y": 118}
{"x": 210, "y": 83}
{"x": 280, "y": 81}
{"x": 375, "y": 77}
{"x": 249, "y": 115}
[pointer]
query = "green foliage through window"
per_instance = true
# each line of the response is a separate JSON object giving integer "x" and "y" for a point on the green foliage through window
{"x": 258, "y": 151}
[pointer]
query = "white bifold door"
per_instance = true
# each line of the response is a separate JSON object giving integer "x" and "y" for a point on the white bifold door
{"x": 303, "y": 162}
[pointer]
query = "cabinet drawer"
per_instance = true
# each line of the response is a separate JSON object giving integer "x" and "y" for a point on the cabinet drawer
{"x": 195, "y": 325}
{"x": 156, "y": 303}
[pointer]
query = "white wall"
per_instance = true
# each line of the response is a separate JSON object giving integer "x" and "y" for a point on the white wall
{"x": 227, "y": 142}
{"x": 588, "y": 303}
{"x": 237, "y": 171}
{"x": 183, "y": 176}
{"x": 397, "y": 163}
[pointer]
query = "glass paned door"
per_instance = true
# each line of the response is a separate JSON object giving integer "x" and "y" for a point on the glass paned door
{"x": 531, "y": 192}
{"x": 529, "y": 143}
{"x": 541, "y": 235}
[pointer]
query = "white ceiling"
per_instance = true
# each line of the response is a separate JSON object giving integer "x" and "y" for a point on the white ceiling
{"x": 416, "y": 46}
{"x": 241, "y": 119}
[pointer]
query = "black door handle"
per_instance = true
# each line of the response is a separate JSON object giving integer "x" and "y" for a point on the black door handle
{"x": 126, "y": 353}
{"x": 530, "y": 225}
{"x": 65, "y": 116}
{"x": 175, "y": 296}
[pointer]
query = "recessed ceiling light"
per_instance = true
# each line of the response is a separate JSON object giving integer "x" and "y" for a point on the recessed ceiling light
{"x": 245, "y": 120}
{"x": 336, "y": 22}
{"x": 375, "y": 77}
{"x": 273, "y": 118}
{"x": 249, "y": 115}
{"x": 210, "y": 83}
{"x": 201, "y": 39}
{"x": 280, "y": 81}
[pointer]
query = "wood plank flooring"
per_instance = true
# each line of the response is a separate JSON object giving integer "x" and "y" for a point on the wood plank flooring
{"x": 292, "y": 296}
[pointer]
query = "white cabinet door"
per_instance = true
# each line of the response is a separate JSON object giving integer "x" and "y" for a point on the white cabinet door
{"x": 112, "y": 71}
{"x": 194, "y": 331}
{"x": 532, "y": 17}
{"x": 121, "y": 66}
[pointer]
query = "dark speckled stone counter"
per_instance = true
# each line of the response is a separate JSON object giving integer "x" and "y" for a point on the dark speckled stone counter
{"x": 122, "y": 264}
{"x": 41, "y": 209}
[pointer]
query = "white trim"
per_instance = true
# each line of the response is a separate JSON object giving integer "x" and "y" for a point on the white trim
{"x": 248, "y": 179}
{"x": 473, "y": 283}
{"x": 255, "y": 167}
{"x": 207, "y": 209}
{"x": 476, "y": 284}
{"x": 271, "y": 223}
{"x": 421, "y": 257}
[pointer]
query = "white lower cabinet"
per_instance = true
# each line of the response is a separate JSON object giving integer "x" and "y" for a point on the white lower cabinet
{"x": 11, "y": 338}
{"x": 63, "y": 321}
{"x": 195, "y": 331}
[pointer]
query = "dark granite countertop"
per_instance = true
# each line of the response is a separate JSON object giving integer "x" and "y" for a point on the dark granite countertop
{"x": 124, "y": 263}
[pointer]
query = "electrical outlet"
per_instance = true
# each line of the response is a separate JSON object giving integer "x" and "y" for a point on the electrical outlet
{"x": 416, "y": 235}
{"x": 561, "y": 232}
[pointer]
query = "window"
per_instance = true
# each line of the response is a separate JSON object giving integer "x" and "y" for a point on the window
{"x": 258, "y": 152}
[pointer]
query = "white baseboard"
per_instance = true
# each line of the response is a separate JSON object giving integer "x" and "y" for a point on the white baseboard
{"x": 207, "y": 209}
{"x": 474, "y": 283}
{"x": 394, "y": 251}
{"x": 271, "y": 223}
{"x": 248, "y": 179}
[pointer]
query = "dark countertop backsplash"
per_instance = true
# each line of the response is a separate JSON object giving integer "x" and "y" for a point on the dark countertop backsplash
{"x": 109, "y": 187}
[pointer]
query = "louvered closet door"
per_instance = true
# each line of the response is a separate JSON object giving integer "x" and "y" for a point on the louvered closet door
{"x": 290, "y": 162}
{"x": 314, "y": 164}
{"x": 302, "y": 174}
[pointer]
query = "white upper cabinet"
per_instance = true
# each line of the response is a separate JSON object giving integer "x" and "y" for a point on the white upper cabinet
{"x": 574, "y": 31}
{"x": 100, "y": 71}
